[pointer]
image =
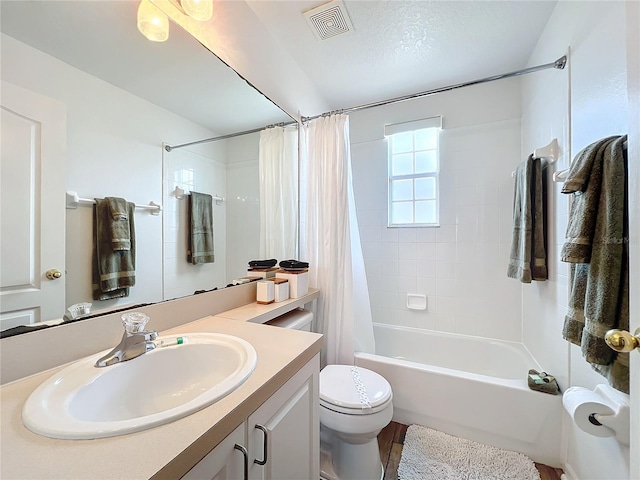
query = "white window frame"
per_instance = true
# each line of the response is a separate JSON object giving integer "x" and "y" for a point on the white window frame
{"x": 393, "y": 129}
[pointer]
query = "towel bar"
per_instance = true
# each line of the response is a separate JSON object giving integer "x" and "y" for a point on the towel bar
{"x": 180, "y": 193}
{"x": 549, "y": 152}
{"x": 73, "y": 200}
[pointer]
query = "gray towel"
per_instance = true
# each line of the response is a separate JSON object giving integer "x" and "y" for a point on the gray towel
{"x": 113, "y": 270}
{"x": 527, "y": 260}
{"x": 119, "y": 224}
{"x": 598, "y": 233}
{"x": 200, "y": 235}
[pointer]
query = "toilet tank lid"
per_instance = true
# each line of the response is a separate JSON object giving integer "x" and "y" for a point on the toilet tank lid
{"x": 296, "y": 319}
{"x": 353, "y": 387}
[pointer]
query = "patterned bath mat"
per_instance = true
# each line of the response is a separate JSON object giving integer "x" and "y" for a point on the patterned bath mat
{"x": 432, "y": 455}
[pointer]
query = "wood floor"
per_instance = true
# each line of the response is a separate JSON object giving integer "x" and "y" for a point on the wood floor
{"x": 391, "y": 440}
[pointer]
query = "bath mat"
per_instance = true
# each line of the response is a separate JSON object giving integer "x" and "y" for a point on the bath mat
{"x": 432, "y": 455}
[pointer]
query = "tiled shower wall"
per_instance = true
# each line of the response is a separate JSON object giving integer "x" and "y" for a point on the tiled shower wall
{"x": 204, "y": 174}
{"x": 461, "y": 265}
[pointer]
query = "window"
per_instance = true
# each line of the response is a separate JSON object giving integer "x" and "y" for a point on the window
{"x": 413, "y": 173}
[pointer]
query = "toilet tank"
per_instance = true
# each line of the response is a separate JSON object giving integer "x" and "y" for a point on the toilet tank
{"x": 299, "y": 319}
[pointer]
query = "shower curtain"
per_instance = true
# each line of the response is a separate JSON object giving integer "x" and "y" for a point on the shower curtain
{"x": 331, "y": 242}
{"x": 278, "y": 172}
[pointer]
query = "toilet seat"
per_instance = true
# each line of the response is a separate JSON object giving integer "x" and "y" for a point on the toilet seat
{"x": 353, "y": 390}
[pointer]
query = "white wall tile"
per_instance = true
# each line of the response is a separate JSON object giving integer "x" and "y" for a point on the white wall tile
{"x": 446, "y": 234}
{"x": 407, "y": 235}
{"x": 459, "y": 265}
{"x": 407, "y": 251}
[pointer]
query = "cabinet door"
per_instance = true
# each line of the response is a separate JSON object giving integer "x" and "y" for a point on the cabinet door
{"x": 224, "y": 462}
{"x": 291, "y": 430}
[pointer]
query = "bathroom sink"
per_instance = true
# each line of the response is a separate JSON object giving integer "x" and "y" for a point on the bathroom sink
{"x": 170, "y": 382}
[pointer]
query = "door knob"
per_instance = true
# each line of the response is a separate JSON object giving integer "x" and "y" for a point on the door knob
{"x": 622, "y": 341}
{"x": 53, "y": 274}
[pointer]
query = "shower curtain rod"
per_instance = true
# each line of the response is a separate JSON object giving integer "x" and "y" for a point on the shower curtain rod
{"x": 168, "y": 148}
{"x": 558, "y": 64}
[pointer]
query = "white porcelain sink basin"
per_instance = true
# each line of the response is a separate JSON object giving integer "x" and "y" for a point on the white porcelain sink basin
{"x": 167, "y": 383}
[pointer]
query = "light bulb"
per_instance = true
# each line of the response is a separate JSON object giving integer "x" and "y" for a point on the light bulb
{"x": 198, "y": 9}
{"x": 152, "y": 23}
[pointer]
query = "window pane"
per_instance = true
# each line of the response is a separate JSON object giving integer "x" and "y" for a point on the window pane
{"x": 426, "y": 211}
{"x": 402, "y": 190}
{"x": 402, "y": 142}
{"x": 402, "y": 164}
{"x": 425, "y": 188}
{"x": 426, "y": 139}
{"x": 401, "y": 212}
{"x": 426, "y": 162}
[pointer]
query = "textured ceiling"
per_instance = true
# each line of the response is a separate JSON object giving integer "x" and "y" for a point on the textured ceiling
{"x": 398, "y": 47}
{"x": 403, "y": 47}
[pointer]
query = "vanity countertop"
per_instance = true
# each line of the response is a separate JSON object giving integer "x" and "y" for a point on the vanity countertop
{"x": 167, "y": 451}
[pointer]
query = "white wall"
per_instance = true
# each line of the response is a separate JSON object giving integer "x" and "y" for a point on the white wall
{"x": 460, "y": 266}
{"x": 585, "y": 102}
{"x": 114, "y": 149}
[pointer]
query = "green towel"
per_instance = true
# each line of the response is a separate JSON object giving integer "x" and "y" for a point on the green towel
{"x": 597, "y": 242}
{"x": 585, "y": 181}
{"x": 527, "y": 260}
{"x": 119, "y": 223}
{"x": 200, "y": 235}
{"x": 113, "y": 270}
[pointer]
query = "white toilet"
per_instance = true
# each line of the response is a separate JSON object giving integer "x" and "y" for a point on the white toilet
{"x": 355, "y": 405}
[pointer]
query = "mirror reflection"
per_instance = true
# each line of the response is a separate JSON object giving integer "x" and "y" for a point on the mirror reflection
{"x": 106, "y": 100}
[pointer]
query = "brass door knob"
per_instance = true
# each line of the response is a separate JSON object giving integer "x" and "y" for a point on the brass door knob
{"x": 622, "y": 341}
{"x": 53, "y": 274}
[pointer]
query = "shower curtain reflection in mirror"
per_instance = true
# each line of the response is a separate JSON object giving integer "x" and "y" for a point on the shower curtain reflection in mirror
{"x": 278, "y": 165}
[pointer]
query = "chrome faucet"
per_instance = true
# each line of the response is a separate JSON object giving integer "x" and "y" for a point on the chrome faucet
{"x": 135, "y": 340}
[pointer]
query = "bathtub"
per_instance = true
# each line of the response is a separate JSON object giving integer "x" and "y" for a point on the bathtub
{"x": 469, "y": 387}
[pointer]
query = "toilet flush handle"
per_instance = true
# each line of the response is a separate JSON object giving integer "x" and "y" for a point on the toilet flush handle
{"x": 264, "y": 446}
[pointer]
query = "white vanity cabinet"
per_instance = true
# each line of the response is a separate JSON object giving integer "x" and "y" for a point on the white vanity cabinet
{"x": 284, "y": 431}
{"x": 225, "y": 462}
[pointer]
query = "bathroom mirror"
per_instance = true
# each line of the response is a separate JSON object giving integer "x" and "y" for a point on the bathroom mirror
{"x": 124, "y": 97}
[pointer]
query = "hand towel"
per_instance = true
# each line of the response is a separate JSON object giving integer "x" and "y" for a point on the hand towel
{"x": 119, "y": 224}
{"x": 200, "y": 235}
{"x": 527, "y": 260}
{"x": 113, "y": 270}
{"x": 599, "y": 214}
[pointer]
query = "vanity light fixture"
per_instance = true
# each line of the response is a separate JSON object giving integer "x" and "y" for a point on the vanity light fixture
{"x": 152, "y": 23}
{"x": 198, "y": 9}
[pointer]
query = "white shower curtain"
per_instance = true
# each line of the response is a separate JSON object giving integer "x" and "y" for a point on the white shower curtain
{"x": 278, "y": 165}
{"x": 331, "y": 241}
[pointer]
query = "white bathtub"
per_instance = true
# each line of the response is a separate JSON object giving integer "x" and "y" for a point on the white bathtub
{"x": 469, "y": 387}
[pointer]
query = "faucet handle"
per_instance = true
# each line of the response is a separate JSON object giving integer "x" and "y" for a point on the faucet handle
{"x": 134, "y": 322}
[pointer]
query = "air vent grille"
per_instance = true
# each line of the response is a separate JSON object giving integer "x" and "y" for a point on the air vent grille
{"x": 329, "y": 20}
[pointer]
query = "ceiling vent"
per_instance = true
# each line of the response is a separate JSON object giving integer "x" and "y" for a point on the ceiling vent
{"x": 329, "y": 20}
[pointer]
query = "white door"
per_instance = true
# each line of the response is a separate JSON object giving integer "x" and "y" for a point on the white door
{"x": 633, "y": 86}
{"x": 32, "y": 209}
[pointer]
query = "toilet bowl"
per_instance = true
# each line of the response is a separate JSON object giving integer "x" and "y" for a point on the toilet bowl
{"x": 355, "y": 405}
